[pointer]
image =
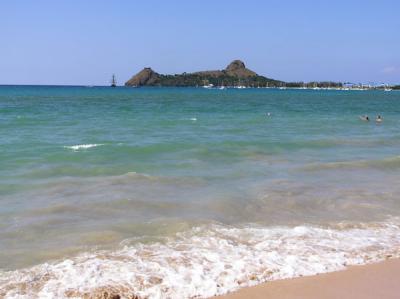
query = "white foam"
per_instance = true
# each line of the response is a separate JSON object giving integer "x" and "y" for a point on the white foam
{"x": 82, "y": 146}
{"x": 190, "y": 118}
{"x": 208, "y": 261}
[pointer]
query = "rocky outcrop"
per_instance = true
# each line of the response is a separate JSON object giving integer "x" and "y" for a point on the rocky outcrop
{"x": 238, "y": 69}
{"x": 145, "y": 77}
{"x": 234, "y": 74}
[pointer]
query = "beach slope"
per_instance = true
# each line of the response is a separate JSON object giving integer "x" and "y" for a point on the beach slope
{"x": 381, "y": 280}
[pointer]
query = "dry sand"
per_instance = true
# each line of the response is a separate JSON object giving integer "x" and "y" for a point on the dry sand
{"x": 375, "y": 281}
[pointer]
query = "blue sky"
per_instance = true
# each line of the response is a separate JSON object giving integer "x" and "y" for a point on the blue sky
{"x": 84, "y": 42}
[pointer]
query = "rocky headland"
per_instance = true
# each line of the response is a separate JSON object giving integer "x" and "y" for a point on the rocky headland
{"x": 235, "y": 74}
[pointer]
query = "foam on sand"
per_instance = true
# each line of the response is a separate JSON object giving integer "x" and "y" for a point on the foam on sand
{"x": 207, "y": 261}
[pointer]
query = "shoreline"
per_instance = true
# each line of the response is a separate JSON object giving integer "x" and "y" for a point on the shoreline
{"x": 371, "y": 281}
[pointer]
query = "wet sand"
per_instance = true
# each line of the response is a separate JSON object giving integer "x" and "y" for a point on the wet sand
{"x": 374, "y": 281}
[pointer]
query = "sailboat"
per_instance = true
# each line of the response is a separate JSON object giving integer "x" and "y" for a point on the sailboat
{"x": 208, "y": 86}
{"x": 113, "y": 81}
{"x": 240, "y": 86}
{"x": 387, "y": 88}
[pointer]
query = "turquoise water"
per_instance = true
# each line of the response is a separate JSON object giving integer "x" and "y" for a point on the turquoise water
{"x": 84, "y": 170}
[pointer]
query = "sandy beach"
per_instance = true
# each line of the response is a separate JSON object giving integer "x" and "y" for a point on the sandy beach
{"x": 372, "y": 281}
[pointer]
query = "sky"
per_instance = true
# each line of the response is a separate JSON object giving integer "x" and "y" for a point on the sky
{"x": 71, "y": 42}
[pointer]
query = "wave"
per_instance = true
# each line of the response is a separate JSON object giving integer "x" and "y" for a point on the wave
{"x": 207, "y": 261}
{"x": 190, "y": 118}
{"x": 82, "y": 146}
{"x": 386, "y": 163}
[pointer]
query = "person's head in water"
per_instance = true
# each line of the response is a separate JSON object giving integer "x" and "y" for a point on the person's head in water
{"x": 366, "y": 117}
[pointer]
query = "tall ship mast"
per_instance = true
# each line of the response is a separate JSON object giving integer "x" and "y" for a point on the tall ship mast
{"x": 113, "y": 81}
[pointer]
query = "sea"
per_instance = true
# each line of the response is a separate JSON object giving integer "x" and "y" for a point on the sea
{"x": 191, "y": 192}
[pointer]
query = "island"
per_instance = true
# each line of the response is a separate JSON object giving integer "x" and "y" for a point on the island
{"x": 234, "y": 75}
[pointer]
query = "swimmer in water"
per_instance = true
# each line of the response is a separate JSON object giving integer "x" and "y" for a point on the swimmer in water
{"x": 379, "y": 119}
{"x": 364, "y": 118}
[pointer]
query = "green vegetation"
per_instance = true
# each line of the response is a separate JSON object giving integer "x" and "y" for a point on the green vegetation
{"x": 235, "y": 74}
{"x": 221, "y": 80}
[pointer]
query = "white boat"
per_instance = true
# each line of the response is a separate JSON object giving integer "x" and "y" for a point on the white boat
{"x": 240, "y": 86}
{"x": 208, "y": 86}
{"x": 387, "y": 88}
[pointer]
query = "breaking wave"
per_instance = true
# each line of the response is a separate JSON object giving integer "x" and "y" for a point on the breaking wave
{"x": 82, "y": 146}
{"x": 207, "y": 261}
{"x": 385, "y": 163}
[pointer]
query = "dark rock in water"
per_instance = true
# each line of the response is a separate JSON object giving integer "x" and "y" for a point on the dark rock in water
{"x": 145, "y": 77}
{"x": 235, "y": 74}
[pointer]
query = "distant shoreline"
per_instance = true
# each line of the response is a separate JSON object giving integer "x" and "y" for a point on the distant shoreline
{"x": 393, "y": 87}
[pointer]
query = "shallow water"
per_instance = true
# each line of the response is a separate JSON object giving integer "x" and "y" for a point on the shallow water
{"x": 191, "y": 187}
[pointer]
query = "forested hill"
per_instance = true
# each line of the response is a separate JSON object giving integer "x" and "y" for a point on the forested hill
{"x": 235, "y": 74}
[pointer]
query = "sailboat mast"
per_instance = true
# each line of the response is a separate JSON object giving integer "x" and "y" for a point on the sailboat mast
{"x": 113, "y": 81}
